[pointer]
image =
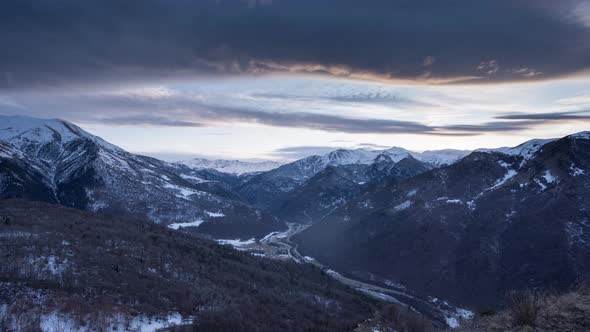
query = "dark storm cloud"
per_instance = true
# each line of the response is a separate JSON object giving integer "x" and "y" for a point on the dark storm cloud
{"x": 51, "y": 42}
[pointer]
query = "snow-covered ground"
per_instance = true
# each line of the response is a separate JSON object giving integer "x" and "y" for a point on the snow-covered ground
{"x": 236, "y": 243}
{"x": 214, "y": 214}
{"x": 195, "y": 223}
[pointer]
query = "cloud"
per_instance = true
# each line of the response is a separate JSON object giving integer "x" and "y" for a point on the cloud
{"x": 554, "y": 116}
{"x": 494, "y": 126}
{"x": 48, "y": 43}
{"x": 173, "y": 109}
{"x": 297, "y": 152}
{"x": 142, "y": 120}
{"x": 372, "y": 146}
{"x": 581, "y": 99}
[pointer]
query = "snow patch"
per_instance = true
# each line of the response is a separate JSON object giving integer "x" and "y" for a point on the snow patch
{"x": 454, "y": 201}
{"x": 510, "y": 174}
{"x": 215, "y": 214}
{"x": 452, "y": 322}
{"x": 549, "y": 177}
{"x": 195, "y": 223}
{"x": 575, "y": 171}
{"x": 403, "y": 206}
{"x": 193, "y": 178}
{"x": 237, "y": 243}
{"x": 543, "y": 187}
{"x": 183, "y": 192}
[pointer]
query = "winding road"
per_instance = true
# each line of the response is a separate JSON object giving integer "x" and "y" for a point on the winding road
{"x": 439, "y": 314}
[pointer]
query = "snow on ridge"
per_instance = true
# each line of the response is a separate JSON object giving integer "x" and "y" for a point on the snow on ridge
{"x": 580, "y": 135}
{"x": 236, "y": 167}
{"x": 348, "y": 157}
{"x": 396, "y": 154}
{"x": 527, "y": 149}
{"x": 24, "y": 130}
{"x": 441, "y": 157}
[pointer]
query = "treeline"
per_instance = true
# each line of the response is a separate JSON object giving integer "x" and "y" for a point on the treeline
{"x": 59, "y": 259}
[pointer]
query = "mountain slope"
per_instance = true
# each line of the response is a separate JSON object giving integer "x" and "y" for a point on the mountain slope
{"x": 336, "y": 185}
{"x": 71, "y": 270}
{"x": 472, "y": 230}
{"x": 84, "y": 171}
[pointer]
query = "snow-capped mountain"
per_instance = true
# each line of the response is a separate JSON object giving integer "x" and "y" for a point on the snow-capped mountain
{"x": 236, "y": 167}
{"x": 367, "y": 157}
{"x": 526, "y": 150}
{"x": 268, "y": 189}
{"x": 58, "y": 162}
{"x": 493, "y": 221}
{"x": 336, "y": 185}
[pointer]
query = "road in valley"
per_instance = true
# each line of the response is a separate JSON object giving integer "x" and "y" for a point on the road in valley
{"x": 438, "y": 311}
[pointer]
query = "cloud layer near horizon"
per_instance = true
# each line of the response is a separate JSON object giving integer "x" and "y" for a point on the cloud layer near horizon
{"x": 47, "y": 43}
{"x": 351, "y": 108}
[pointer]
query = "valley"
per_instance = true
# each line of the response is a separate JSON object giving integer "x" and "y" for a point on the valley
{"x": 279, "y": 246}
{"x": 439, "y": 234}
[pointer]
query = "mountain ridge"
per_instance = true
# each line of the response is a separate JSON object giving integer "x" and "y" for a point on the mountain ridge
{"x": 83, "y": 171}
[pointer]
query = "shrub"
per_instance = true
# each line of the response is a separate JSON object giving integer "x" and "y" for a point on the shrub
{"x": 524, "y": 308}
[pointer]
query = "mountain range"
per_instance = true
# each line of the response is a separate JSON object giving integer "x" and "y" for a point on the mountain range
{"x": 466, "y": 226}
{"x": 235, "y": 167}
{"x": 58, "y": 162}
{"x": 470, "y": 231}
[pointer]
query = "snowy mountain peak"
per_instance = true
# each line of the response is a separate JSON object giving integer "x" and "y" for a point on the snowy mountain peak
{"x": 526, "y": 150}
{"x": 441, "y": 157}
{"x": 396, "y": 153}
{"x": 581, "y": 135}
{"x": 31, "y": 134}
{"x": 348, "y": 157}
{"x": 231, "y": 166}
{"x": 382, "y": 158}
{"x": 42, "y": 130}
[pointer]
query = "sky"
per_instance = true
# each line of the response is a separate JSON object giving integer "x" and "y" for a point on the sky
{"x": 282, "y": 79}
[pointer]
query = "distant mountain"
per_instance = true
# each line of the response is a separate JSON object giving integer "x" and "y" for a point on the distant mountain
{"x": 493, "y": 221}
{"x": 231, "y": 166}
{"x": 336, "y": 185}
{"x": 269, "y": 189}
{"x": 58, "y": 162}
